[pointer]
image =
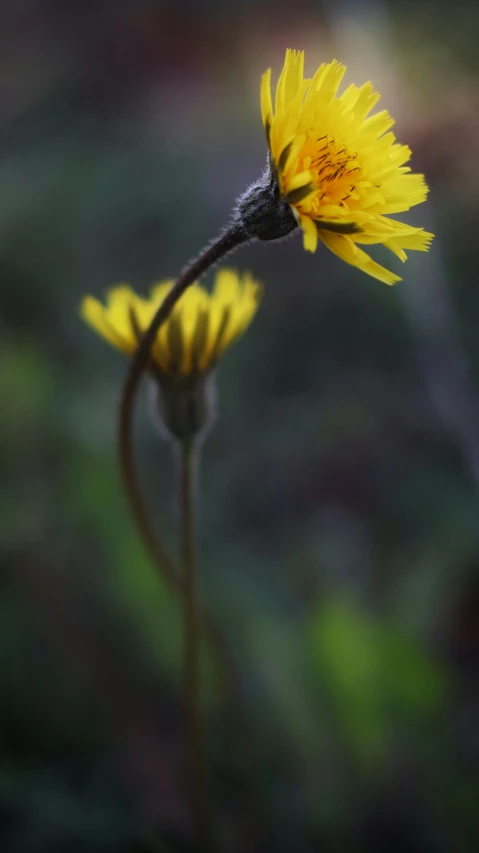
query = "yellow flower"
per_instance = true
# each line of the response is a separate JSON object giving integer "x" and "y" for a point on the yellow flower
{"x": 338, "y": 167}
{"x": 200, "y": 328}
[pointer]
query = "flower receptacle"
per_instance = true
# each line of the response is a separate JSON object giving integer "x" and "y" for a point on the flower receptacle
{"x": 262, "y": 213}
{"x": 184, "y": 407}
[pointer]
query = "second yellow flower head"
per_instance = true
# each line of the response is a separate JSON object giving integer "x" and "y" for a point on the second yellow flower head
{"x": 200, "y": 328}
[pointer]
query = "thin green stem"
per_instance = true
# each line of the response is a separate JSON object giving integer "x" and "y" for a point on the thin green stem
{"x": 200, "y": 802}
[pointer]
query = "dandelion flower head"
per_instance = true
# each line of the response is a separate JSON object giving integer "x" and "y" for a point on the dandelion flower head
{"x": 339, "y": 168}
{"x": 201, "y": 327}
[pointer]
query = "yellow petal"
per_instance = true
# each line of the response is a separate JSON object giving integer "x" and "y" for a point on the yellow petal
{"x": 233, "y": 305}
{"x": 95, "y": 314}
{"x": 310, "y": 233}
{"x": 194, "y": 301}
{"x": 121, "y": 301}
{"x": 329, "y": 81}
{"x": 226, "y": 286}
{"x": 352, "y": 254}
{"x": 266, "y": 102}
{"x": 297, "y": 181}
{"x": 420, "y": 242}
{"x": 290, "y": 79}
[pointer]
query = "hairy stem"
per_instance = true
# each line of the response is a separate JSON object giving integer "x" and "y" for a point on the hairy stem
{"x": 200, "y": 802}
{"x": 225, "y": 243}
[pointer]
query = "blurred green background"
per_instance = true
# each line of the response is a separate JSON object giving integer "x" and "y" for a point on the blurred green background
{"x": 340, "y": 486}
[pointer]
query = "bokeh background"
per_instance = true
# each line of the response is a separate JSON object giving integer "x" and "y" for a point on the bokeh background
{"x": 340, "y": 486}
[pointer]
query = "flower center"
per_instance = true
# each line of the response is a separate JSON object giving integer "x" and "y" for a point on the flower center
{"x": 334, "y": 170}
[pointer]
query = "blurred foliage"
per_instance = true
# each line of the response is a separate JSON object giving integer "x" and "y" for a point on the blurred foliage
{"x": 377, "y": 677}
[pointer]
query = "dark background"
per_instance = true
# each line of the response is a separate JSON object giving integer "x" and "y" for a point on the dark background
{"x": 340, "y": 486}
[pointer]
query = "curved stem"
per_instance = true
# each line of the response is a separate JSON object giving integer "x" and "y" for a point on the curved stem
{"x": 225, "y": 243}
{"x": 200, "y": 803}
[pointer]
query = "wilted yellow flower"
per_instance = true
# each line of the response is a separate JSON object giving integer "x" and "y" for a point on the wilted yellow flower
{"x": 337, "y": 167}
{"x": 200, "y": 328}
